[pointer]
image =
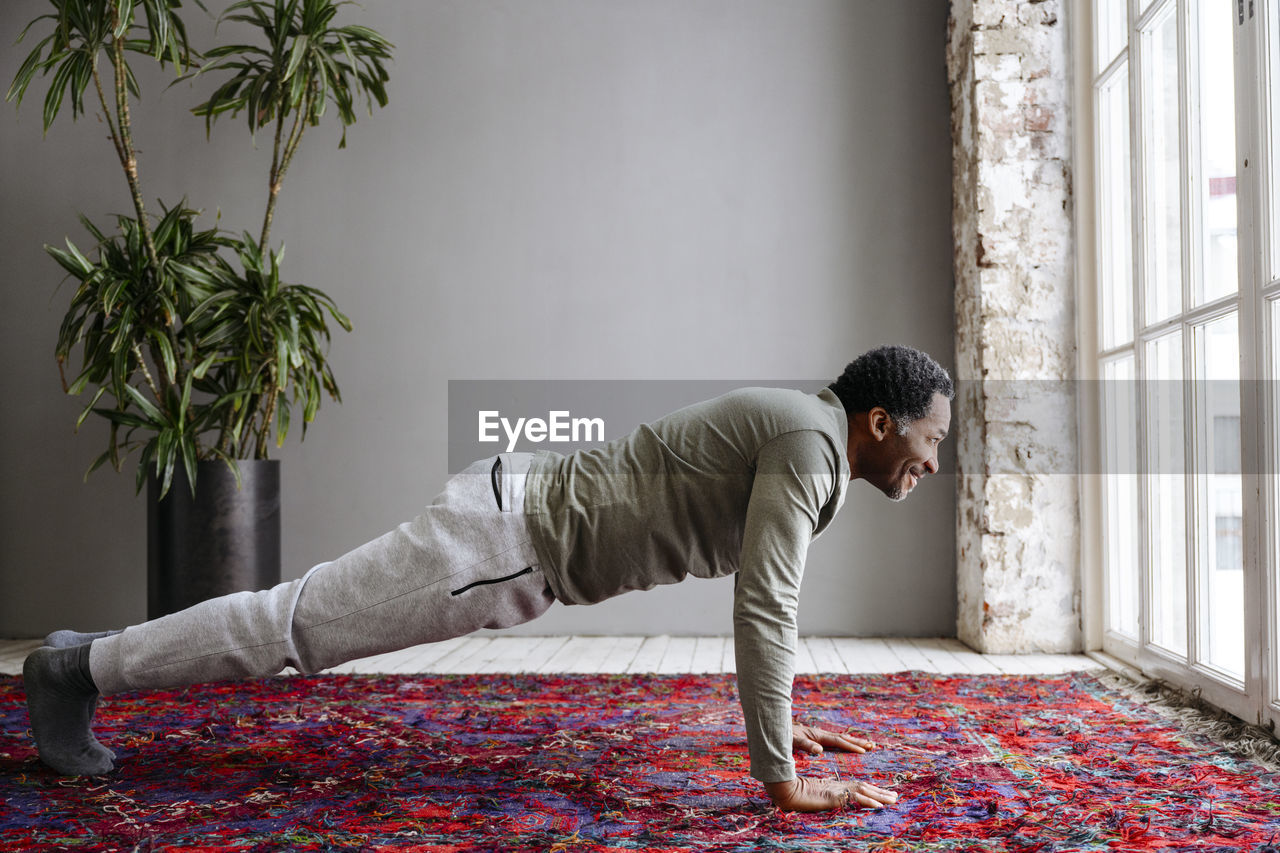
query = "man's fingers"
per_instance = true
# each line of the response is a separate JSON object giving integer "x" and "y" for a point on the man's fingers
{"x": 862, "y": 794}
{"x": 852, "y": 744}
{"x": 862, "y": 743}
{"x": 810, "y": 795}
{"x": 807, "y": 745}
{"x": 874, "y": 792}
{"x": 867, "y": 802}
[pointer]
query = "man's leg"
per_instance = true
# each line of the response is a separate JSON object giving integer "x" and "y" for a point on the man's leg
{"x": 461, "y": 565}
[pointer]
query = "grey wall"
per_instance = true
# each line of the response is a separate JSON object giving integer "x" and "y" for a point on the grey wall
{"x": 559, "y": 189}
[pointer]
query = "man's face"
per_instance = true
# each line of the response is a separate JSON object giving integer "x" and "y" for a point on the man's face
{"x": 904, "y": 460}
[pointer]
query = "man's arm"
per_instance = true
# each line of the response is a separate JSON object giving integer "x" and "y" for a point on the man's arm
{"x": 795, "y": 477}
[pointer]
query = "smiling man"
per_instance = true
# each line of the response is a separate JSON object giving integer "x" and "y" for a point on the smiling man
{"x": 738, "y": 485}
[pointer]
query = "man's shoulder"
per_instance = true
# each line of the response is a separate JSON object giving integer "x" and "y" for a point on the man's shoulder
{"x": 742, "y": 422}
{"x": 783, "y": 410}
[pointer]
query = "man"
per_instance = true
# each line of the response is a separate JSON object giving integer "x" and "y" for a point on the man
{"x": 736, "y": 485}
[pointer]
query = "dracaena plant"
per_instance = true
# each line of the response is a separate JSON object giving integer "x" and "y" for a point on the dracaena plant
{"x": 191, "y": 345}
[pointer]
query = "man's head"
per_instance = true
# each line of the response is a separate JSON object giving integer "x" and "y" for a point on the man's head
{"x": 898, "y": 401}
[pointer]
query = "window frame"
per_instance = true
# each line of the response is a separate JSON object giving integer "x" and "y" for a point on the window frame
{"x": 1257, "y": 308}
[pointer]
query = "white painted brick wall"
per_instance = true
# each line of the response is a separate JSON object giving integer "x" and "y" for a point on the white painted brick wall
{"x": 1015, "y": 420}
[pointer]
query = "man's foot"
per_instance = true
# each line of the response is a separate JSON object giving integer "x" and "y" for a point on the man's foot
{"x": 67, "y": 639}
{"x": 61, "y": 698}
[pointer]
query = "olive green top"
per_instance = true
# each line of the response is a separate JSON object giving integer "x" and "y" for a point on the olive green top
{"x": 741, "y": 483}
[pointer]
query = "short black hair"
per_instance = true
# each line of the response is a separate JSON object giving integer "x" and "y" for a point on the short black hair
{"x": 899, "y": 379}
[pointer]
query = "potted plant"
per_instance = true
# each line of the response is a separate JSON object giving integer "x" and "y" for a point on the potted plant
{"x": 190, "y": 344}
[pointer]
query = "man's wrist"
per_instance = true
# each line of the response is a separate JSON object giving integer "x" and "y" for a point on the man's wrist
{"x": 781, "y": 791}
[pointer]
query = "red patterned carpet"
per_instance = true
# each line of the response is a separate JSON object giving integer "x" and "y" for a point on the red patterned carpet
{"x": 626, "y": 762}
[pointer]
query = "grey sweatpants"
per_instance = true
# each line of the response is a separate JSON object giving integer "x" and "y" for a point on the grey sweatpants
{"x": 465, "y": 563}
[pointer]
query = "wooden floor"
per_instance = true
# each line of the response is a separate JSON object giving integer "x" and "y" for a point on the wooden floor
{"x": 666, "y": 654}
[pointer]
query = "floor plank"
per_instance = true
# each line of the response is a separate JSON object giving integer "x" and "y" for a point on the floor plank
{"x": 541, "y": 652}
{"x": 911, "y": 657}
{"x": 974, "y": 661}
{"x": 939, "y": 656}
{"x": 459, "y": 660}
{"x": 824, "y": 654}
{"x": 504, "y": 654}
{"x": 866, "y": 654}
{"x": 649, "y": 656}
{"x": 804, "y": 660}
{"x": 1010, "y": 664}
{"x": 665, "y": 654}
{"x": 678, "y": 656}
{"x": 621, "y": 656}
{"x": 729, "y": 661}
{"x": 708, "y": 654}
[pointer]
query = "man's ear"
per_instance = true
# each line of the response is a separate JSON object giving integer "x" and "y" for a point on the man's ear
{"x": 879, "y": 423}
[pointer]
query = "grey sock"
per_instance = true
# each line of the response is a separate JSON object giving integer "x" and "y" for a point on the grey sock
{"x": 61, "y": 697}
{"x": 67, "y": 639}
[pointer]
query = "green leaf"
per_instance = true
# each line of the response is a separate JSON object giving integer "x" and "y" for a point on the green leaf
{"x": 203, "y": 367}
{"x": 126, "y": 18}
{"x": 78, "y": 386}
{"x": 26, "y": 72}
{"x": 296, "y": 55}
{"x": 161, "y": 343}
{"x": 57, "y": 89}
{"x": 97, "y": 463}
{"x": 146, "y": 405}
{"x": 185, "y": 402}
{"x": 89, "y": 410}
{"x": 165, "y": 230}
{"x": 282, "y": 421}
{"x": 120, "y": 418}
{"x": 69, "y": 261}
{"x": 189, "y": 461}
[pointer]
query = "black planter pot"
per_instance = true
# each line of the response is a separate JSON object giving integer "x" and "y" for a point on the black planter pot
{"x": 225, "y": 540}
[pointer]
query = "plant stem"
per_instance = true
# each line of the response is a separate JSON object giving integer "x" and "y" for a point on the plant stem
{"x": 130, "y": 157}
{"x": 137, "y": 351}
{"x": 106, "y": 115}
{"x": 272, "y": 392}
{"x": 279, "y": 164}
{"x": 274, "y": 188}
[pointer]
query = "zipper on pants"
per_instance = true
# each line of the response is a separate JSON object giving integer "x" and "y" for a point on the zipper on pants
{"x": 526, "y": 570}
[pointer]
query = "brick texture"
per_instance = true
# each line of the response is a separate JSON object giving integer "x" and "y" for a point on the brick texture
{"x": 1015, "y": 414}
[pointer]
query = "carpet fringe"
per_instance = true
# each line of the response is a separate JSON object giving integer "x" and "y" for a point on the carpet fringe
{"x": 1194, "y": 714}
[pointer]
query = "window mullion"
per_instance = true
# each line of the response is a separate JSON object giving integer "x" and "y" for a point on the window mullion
{"x": 1192, "y": 498}
{"x": 1252, "y": 257}
{"x": 1138, "y": 152}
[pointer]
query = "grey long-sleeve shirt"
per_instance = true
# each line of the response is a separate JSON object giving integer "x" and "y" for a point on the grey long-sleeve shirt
{"x": 741, "y": 483}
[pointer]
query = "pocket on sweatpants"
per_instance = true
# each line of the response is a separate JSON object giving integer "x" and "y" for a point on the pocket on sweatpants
{"x": 495, "y": 478}
{"x": 488, "y": 581}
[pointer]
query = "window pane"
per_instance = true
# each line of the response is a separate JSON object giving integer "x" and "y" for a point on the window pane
{"x": 1217, "y": 154}
{"x": 1112, "y": 20}
{"x": 1273, "y": 473}
{"x": 1273, "y": 169}
{"x": 1120, "y": 420}
{"x": 1219, "y": 495}
{"x": 1161, "y": 171}
{"x": 1166, "y": 493}
{"x": 1115, "y": 225}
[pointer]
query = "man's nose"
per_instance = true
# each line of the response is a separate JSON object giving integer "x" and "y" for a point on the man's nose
{"x": 931, "y": 464}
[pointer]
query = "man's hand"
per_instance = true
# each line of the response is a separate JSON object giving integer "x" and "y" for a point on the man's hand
{"x": 819, "y": 795}
{"x": 813, "y": 740}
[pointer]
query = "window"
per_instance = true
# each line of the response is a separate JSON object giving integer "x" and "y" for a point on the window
{"x": 1186, "y": 284}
